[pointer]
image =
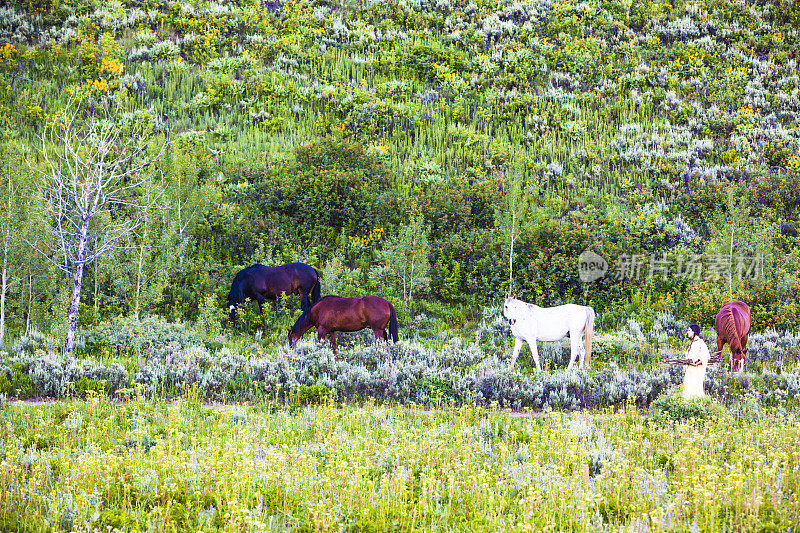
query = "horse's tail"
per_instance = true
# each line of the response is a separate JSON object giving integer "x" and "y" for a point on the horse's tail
{"x": 393, "y": 324}
{"x": 588, "y": 332}
{"x": 316, "y": 292}
{"x": 732, "y": 332}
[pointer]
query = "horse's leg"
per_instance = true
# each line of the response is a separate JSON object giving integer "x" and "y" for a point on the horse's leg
{"x": 333, "y": 341}
{"x": 743, "y": 353}
{"x": 321, "y": 334}
{"x": 517, "y": 347}
{"x": 535, "y": 352}
{"x": 720, "y": 345}
{"x": 575, "y": 349}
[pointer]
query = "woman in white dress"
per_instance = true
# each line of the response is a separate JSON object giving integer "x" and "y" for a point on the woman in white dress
{"x": 694, "y": 370}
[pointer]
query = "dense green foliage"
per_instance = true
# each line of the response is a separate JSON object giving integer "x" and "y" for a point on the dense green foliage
{"x": 317, "y": 131}
{"x": 412, "y": 149}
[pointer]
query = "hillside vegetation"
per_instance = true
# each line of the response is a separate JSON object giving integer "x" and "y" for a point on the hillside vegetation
{"x": 439, "y": 153}
{"x": 363, "y": 136}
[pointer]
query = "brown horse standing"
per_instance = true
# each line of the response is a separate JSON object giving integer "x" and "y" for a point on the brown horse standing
{"x": 733, "y": 324}
{"x": 335, "y": 313}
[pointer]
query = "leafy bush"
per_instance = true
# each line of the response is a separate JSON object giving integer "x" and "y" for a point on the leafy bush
{"x": 421, "y": 59}
{"x": 334, "y": 185}
{"x": 312, "y": 395}
{"x": 85, "y": 385}
{"x": 165, "y": 51}
{"x": 674, "y": 408}
{"x": 55, "y": 375}
{"x": 15, "y": 381}
{"x": 49, "y": 375}
{"x": 110, "y": 377}
{"x": 433, "y": 389}
{"x": 228, "y": 366}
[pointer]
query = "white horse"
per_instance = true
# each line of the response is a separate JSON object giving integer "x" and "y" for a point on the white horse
{"x": 530, "y": 323}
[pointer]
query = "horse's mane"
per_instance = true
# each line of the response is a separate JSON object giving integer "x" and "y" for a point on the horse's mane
{"x": 302, "y": 320}
{"x": 236, "y": 294}
{"x": 239, "y": 277}
{"x": 731, "y": 331}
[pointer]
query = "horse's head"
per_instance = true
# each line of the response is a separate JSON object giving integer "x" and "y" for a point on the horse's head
{"x": 292, "y": 337}
{"x": 738, "y": 358}
{"x": 510, "y": 309}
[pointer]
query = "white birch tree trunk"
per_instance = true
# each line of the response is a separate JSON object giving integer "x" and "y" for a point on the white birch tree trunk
{"x": 3, "y": 289}
{"x": 411, "y": 277}
{"x": 75, "y": 298}
{"x": 30, "y": 304}
{"x": 9, "y": 231}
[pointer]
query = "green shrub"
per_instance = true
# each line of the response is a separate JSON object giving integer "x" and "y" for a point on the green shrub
{"x": 116, "y": 519}
{"x": 420, "y": 59}
{"x": 674, "y": 408}
{"x": 312, "y": 395}
{"x": 84, "y": 385}
{"x": 32, "y": 341}
{"x": 15, "y": 381}
{"x": 434, "y": 388}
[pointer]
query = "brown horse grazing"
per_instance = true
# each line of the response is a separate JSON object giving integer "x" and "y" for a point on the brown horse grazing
{"x": 335, "y": 313}
{"x": 262, "y": 283}
{"x": 733, "y": 325}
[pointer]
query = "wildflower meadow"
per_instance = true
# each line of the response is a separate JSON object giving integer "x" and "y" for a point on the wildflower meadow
{"x": 641, "y": 158}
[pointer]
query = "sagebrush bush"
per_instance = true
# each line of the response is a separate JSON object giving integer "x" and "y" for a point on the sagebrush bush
{"x": 149, "y": 336}
{"x": 49, "y": 374}
{"x": 33, "y": 340}
{"x": 449, "y": 370}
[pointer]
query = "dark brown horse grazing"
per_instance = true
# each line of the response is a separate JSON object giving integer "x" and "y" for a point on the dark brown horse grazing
{"x": 335, "y": 313}
{"x": 733, "y": 325}
{"x": 261, "y": 283}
